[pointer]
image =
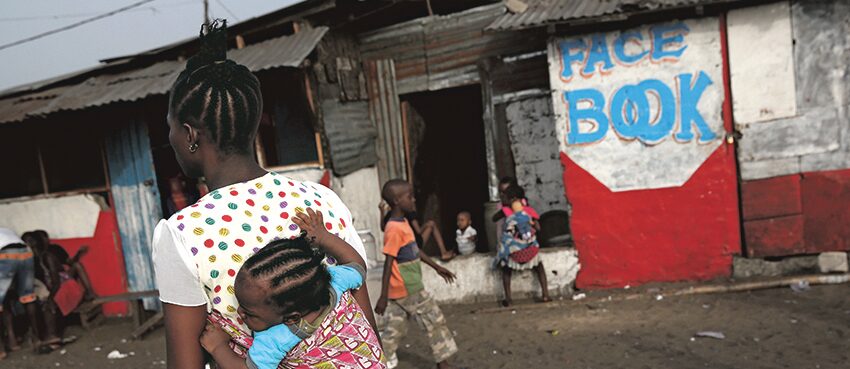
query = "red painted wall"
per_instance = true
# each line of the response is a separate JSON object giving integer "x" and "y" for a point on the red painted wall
{"x": 671, "y": 234}
{"x": 797, "y": 214}
{"x": 104, "y": 261}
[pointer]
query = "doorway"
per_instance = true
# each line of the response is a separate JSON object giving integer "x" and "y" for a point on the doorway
{"x": 447, "y": 151}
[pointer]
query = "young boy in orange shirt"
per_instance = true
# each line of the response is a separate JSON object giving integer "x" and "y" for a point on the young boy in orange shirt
{"x": 402, "y": 292}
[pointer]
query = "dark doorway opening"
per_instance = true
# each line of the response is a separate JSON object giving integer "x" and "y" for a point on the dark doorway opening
{"x": 449, "y": 160}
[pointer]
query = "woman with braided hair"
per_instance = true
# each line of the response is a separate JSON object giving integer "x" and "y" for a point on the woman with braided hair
{"x": 213, "y": 115}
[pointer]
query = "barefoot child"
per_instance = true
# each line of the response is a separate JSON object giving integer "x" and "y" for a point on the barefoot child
{"x": 518, "y": 245}
{"x": 402, "y": 292}
{"x": 301, "y": 311}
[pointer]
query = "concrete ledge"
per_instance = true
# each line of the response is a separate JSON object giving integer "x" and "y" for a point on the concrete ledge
{"x": 478, "y": 281}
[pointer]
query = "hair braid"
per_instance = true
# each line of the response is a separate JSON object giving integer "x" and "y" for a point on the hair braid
{"x": 204, "y": 94}
{"x": 294, "y": 272}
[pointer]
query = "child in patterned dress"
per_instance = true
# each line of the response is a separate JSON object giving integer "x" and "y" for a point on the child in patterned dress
{"x": 291, "y": 301}
{"x": 518, "y": 246}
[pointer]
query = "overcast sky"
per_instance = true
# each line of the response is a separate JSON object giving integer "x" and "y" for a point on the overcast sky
{"x": 150, "y": 25}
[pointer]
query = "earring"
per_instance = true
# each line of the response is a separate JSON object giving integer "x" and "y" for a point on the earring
{"x": 193, "y": 147}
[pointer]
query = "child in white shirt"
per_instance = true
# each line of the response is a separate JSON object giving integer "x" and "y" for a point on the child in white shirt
{"x": 466, "y": 235}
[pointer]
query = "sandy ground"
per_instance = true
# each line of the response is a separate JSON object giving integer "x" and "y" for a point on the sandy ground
{"x": 765, "y": 329}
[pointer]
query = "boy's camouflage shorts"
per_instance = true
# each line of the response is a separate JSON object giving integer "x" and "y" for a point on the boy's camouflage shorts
{"x": 422, "y": 307}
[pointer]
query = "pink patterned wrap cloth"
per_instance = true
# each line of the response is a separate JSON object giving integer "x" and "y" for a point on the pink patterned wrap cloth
{"x": 343, "y": 340}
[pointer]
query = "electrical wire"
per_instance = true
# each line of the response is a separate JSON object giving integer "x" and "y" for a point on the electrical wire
{"x": 227, "y": 10}
{"x": 88, "y": 14}
{"x": 73, "y": 25}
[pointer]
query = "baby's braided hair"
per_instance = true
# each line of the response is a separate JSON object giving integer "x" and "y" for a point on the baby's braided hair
{"x": 296, "y": 277}
{"x": 218, "y": 94}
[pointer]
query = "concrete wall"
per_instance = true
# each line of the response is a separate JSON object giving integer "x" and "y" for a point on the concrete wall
{"x": 534, "y": 143}
{"x": 795, "y": 169}
{"x": 361, "y": 191}
{"x": 817, "y": 138}
{"x": 478, "y": 281}
{"x": 62, "y": 217}
{"x": 642, "y": 139}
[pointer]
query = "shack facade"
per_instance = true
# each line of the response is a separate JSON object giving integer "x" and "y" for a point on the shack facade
{"x": 640, "y": 127}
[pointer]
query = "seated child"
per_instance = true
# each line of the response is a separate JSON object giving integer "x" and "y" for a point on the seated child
{"x": 518, "y": 245}
{"x": 301, "y": 311}
{"x": 466, "y": 235}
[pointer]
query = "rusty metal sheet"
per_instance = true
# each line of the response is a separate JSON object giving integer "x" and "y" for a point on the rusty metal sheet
{"x": 16, "y": 109}
{"x": 385, "y": 111}
{"x": 156, "y": 79}
{"x": 351, "y": 135}
{"x": 544, "y": 12}
{"x": 440, "y": 52}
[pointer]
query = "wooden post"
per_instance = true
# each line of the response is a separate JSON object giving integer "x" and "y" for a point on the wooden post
{"x": 240, "y": 42}
{"x": 406, "y": 135}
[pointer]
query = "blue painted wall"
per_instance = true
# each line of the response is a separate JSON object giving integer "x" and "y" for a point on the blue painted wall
{"x": 137, "y": 201}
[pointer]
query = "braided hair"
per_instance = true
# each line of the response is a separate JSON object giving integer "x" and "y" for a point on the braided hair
{"x": 218, "y": 94}
{"x": 295, "y": 275}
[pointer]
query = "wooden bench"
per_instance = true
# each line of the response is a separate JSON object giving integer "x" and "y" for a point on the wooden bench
{"x": 91, "y": 312}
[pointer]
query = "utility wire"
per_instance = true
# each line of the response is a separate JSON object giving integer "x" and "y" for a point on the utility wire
{"x": 81, "y": 15}
{"x": 226, "y": 9}
{"x": 74, "y": 25}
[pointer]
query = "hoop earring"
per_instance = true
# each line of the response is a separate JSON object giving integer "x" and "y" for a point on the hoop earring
{"x": 193, "y": 147}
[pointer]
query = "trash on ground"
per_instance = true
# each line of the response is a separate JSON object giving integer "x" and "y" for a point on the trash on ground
{"x": 115, "y": 354}
{"x": 800, "y": 286}
{"x": 711, "y": 334}
{"x": 659, "y": 297}
{"x": 553, "y": 332}
{"x": 579, "y": 296}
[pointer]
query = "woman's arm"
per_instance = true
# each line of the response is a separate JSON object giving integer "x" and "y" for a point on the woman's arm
{"x": 183, "y": 328}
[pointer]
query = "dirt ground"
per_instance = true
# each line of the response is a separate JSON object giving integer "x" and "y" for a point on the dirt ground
{"x": 775, "y": 328}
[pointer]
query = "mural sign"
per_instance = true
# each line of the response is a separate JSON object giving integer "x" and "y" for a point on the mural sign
{"x": 640, "y": 108}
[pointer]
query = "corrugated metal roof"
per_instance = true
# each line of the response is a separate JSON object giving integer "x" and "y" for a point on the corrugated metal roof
{"x": 543, "y": 12}
{"x": 285, "y": 51}
{"x": 439, "y": 52}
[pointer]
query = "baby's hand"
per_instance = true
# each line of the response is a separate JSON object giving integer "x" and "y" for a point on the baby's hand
{"x": 214, "y": 338}
{"x": 313, "y": 224}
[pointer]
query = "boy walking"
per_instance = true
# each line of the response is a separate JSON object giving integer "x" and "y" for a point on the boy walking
{"x": 402, "y": 292}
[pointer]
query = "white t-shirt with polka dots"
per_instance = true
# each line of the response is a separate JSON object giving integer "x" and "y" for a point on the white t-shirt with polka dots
{"x": 198, "y": 250}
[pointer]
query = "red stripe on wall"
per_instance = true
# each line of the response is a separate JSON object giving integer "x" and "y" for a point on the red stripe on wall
{"x": 672, "y": 234}
{"x": 104, "y": 262}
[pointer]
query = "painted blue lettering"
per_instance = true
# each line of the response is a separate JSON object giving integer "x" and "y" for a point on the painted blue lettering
{"x": 656, "y": 131}
{"x": 598, "y": 54}
{"x": 568, "y": 57}
{"x": 638, "y": 125}
{"x": 690, "y": 96}
{"x": 595, "y": 113}
{"x": 620, "y": 47}
{"x": 660, "y": 41}
{"x": 623, "y": 105}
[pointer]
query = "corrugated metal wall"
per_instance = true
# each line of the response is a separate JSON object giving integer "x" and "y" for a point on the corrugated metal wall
{"x": 136, "y": 199}
{"x": 351, "y": 135}
{"x": 439, "y": 52}
{"x": 385, "y": 110}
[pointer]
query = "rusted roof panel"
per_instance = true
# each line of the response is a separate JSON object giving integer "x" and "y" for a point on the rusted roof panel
{"x": 439, "y": 52}
{"x": 544, "y": 12}
{"x": 286, "y": 51}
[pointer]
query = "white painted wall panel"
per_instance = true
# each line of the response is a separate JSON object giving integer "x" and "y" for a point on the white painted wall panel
{"x": 761, "y": 61}
{"x": 640, "y": 108}
{"x": 62, "y": 217}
